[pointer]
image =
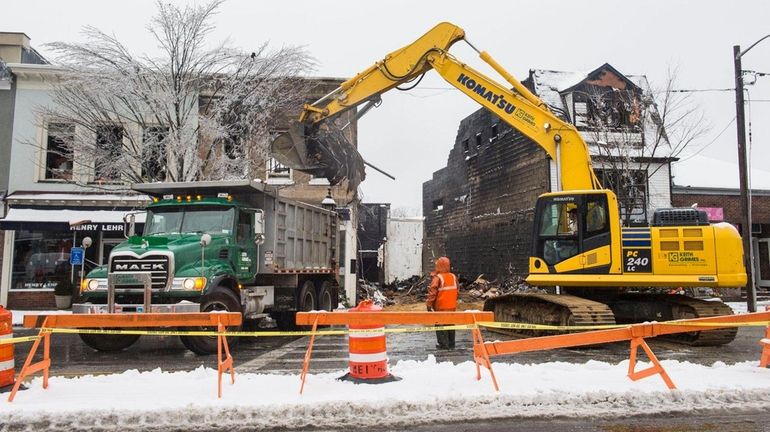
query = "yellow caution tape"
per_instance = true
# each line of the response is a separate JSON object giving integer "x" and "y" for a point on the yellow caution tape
{"x": 255, "y": 333}
{"x": 526, "y": 326}
{"x": 18, "y": 340}
{"x": 346, "y": 331}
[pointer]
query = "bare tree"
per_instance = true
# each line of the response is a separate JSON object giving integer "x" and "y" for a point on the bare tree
{"x": 636, "y": 132}
{"x": 193, "y": 112}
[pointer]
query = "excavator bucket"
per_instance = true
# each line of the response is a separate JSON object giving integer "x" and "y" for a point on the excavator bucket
{"x": 324, "y": 153}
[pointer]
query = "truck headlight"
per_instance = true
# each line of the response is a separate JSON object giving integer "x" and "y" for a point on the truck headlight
{"x": 93, "y": 284}
{"x": 189, "y": 284}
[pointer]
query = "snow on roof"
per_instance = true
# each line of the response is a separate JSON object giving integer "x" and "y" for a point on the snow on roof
{"x": 704, "y": 171}
{"x": 70, "y": 217}
{"x": 77, "y": 197}
{"x": 548, "y": 84}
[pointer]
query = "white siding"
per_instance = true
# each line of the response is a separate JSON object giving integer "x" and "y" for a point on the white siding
{"x": 403, "y": 250}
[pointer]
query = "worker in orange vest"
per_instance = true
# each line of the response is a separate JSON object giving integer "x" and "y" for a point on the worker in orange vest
{"x": 442, "y": 296}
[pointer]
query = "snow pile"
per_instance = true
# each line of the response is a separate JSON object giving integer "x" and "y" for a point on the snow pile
{"x": 428, "y": 390}
{"x": 18, "y": 315}
{"x": 742, "y": 307}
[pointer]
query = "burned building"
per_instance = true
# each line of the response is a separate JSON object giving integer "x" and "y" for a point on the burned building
{"x": 479, "y": 208}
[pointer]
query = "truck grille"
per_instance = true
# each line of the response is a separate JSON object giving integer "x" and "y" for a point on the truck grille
{"x": 157, "y": 265}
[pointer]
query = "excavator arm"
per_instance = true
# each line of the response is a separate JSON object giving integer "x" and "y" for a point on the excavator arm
{"x": 518, "y": 107}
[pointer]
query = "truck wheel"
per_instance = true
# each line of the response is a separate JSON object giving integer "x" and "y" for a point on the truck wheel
{"x": 107, "y": 342}
{"x": 327, "y": 296}
{"x": 306, "y": 302}
{"x": 219, "y": 299}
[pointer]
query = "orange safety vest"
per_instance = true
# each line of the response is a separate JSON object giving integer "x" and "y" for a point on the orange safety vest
{"x": 446, "y": 298}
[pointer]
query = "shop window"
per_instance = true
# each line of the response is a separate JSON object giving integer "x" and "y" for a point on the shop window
{"x": 40, "y": 259}
{"x": 109, "y": 146}
{"x": 58, "y": 158}
{"x": 154, "y": 154}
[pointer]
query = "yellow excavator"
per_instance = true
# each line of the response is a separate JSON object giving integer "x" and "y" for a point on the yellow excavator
{"x": 579, "y": 245}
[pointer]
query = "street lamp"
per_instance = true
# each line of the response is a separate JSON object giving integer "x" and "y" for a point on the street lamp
{"x": 740, "y": 119}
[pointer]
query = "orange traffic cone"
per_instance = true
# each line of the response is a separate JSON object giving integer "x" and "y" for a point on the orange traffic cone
{"x": 7, "y": 370}
{"x": 368, "y": 356}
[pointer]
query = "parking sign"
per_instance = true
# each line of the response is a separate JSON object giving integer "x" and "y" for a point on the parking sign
{"x": 76, "y": 255}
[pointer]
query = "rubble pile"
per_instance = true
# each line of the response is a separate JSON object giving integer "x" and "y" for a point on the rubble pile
{"x": 410, "y": 294}
{"x": 481, "y": 288}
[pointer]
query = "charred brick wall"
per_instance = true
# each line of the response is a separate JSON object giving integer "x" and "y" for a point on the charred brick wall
{"x": 479, "y": 208}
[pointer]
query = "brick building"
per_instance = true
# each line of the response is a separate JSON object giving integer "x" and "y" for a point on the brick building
{"x": 479, "y": 208}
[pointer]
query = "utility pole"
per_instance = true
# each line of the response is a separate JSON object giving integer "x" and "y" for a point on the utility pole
{"x": 740, "y": 121}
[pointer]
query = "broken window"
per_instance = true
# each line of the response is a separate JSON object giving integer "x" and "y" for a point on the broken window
{"x": 438, "y": 205}
{"x": 154, "y": 155}
{"x": 478, "y": 140}
{"x": 58, "y": 156}
{"x": 276, "y": 170}
{"x": 109, "y": 146}
{"x": 466, "y": 147}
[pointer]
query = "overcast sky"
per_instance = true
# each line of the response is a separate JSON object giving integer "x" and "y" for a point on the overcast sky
{"x": 411, "y": 134}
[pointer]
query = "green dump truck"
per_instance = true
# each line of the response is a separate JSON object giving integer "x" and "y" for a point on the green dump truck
{"x": 217, "y": 246}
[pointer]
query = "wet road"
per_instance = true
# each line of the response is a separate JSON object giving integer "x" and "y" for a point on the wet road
{"x": 70, "y": 357}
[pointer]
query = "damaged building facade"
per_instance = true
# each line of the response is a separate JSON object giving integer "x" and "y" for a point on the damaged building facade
{"x": 479, "y": 208}
{"x": 51, "y": 200}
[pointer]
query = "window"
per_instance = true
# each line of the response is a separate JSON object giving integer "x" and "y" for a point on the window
{"x": 495, "y": 131}
{"x": 40, "y": 259}
{"x": 630, "y": 186}
{"x": 438, "y": 205}
{"x": 109, "y": 145}
{"x": 154, "y": 155}
{"x": 276, "y": 170}
{"x": 189, "y": 219}
{"x": 596, "y": 216}
{"x": 58, "y": 156}
{"x": 466, "y": 147}
{"x": 559, "y": 232}
{"x": 244, "y": 227}
{"x": 478, "y": 140}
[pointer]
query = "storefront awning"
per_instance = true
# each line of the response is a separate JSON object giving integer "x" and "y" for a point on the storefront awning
{"x": 65, "y": 220}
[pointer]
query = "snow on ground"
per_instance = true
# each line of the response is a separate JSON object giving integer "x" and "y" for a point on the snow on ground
{"x": 742, "y": 308}
{"x": 18, "y": 315}
{"x": 428, "y": 391}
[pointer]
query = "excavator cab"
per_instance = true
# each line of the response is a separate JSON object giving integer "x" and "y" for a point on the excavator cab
{"x": 573, "y": 232}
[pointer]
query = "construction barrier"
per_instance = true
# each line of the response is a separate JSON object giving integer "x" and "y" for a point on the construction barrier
{"x": 636, "y": 333}
{"x": 376, "y": 320}
{"x": 7, "y": 369}
{"x": 220, "y": 320}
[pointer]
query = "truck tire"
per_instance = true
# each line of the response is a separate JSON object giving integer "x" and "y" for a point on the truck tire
{"x": 327, "y": 296}
{"x": 306, "y": 302}
{"x": 107, "y": 342}
{"x": 219, "y": 299}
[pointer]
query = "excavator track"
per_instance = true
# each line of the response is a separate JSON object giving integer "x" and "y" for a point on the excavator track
{"x": 675, "y": 307}
{"x": 547, "y": 309}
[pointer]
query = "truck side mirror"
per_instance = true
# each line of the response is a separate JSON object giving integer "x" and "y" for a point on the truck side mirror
{"x": 259, "y": 227}
{"x": 259, "y": 223}
{"x": 129, "y": 225}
